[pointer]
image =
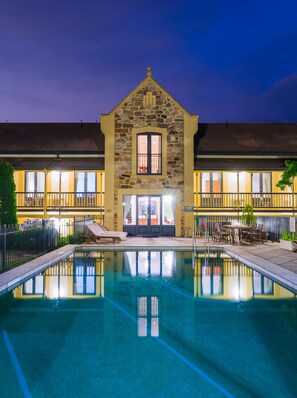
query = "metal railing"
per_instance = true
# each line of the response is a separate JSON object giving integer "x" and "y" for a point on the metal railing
{"x": 235, "y": 201}
{"x": 19, "y": 244}
{"x": 149, "y": 164}
{"x": 33, "y": 238}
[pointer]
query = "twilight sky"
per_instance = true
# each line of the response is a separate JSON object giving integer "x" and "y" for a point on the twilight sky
{"x": 63, "y": 61}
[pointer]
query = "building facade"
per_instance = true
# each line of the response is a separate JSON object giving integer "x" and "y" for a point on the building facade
{"x": 148, "y": 167}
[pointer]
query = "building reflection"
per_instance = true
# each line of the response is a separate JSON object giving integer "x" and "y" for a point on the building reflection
{"x": 149, "y": 263}
{"x": 146, "y": 284}
{"x": 78, "y": 276}
{"x": 148, "y": 316}
{"x": 218, "y": 276}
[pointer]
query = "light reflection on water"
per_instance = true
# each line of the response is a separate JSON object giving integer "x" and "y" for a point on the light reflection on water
{"x": 99, "y": 314}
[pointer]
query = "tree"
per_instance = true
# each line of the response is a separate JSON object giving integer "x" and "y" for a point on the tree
{"x": 8, "y": 208}
{"x": 287, "y": 178}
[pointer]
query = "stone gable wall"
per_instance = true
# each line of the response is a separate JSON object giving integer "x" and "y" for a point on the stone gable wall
{"x": 164, "y": 115}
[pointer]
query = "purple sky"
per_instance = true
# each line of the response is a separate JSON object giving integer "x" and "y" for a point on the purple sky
{"x": 63, "y": 61}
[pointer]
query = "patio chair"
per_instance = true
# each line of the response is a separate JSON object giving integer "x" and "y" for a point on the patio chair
{"x": 258, "y": 236}
{"x": 221, "y": 234}
{"x": 96, "y": 233}
{"x": 264, "y": 235}
{"x": 254, "y": 234}
{"x": 122, "y": 234}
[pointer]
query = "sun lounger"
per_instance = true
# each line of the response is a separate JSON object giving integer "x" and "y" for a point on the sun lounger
{"x": 97, "y": 233}
{"x": 122, "y": 234}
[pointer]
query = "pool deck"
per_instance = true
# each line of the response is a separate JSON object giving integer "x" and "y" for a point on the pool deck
{"x": 269, "y": 259}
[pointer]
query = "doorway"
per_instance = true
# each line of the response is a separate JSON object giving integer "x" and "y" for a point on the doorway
{"x": 149, "y": 215}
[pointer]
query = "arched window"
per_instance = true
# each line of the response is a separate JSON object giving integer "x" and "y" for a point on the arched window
{"x": 149, "y": 153}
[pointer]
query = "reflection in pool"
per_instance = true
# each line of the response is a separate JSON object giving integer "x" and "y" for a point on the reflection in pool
{"x": 148, "y": 323}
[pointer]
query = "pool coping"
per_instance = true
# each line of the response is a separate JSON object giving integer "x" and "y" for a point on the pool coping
{"x": 277, "y": 273}
{"x": 12, "y": 278}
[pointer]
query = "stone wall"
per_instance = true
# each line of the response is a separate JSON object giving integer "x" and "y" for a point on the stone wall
{"x": 133, "y": 114}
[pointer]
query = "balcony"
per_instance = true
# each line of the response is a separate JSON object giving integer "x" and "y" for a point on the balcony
{"x": 286, "y": 202}
{"x": 59, "y": 200}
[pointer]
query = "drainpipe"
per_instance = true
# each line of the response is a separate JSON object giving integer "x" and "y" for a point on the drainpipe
{"x": 293, "y": 197}
{"x": 238, "y": 195}
{"x": 45, "y": 194}
{"x": 60, "y": 185}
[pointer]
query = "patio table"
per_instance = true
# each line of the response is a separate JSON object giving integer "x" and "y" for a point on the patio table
{"x": 239, "y": 228}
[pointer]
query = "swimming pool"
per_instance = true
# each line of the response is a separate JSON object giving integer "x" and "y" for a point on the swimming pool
{"x": 148, "y": 324}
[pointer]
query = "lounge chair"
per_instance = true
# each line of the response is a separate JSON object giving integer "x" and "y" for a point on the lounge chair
{"x": 122, "y": 234}
{"x": 97, "y": 233}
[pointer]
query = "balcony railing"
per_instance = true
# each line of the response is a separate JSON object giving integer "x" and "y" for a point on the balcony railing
{"x": 95, "y": 200}
{"x": 59, "y": 200}
{"x": 235, "y": 201}
{"x": 149, "y": 164}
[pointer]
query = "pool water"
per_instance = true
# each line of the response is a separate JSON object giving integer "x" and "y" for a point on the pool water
{"x": 148, "y": 324}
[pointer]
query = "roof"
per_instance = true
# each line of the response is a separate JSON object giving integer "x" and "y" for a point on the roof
{"x": 225, "y": 146}
{"x": 260, "y": 138}
{"x": 81, "y": 146}
{"x": 63, "y": 146}
{"x": 51, "y": 138}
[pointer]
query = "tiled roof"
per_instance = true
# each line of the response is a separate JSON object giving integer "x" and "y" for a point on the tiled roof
{"x": 224, "y": 138}
{"x": 82, "y": 141}
{"x": 51, "y": 138}
{"x": 211, "y": 140}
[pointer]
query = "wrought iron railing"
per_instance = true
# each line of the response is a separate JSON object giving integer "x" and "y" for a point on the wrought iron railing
{"x": 149, "y": 164}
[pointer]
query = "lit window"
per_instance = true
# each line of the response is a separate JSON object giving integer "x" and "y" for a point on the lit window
{"x": 149, "y": 153}
{"x": 34, "y": 285}
{"x": 148, "y": 316}
{"x": 84, "y": 279}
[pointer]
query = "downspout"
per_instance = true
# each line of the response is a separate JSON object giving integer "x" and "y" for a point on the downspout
{"x": 45, "y": 195}
{"x": 238, "y": 203}
{"x": 293, "y": 196}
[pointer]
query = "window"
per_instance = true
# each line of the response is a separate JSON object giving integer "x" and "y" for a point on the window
{"x": 261, "y": 182}
{"x": 261, "y": 284}
{"x": 212, "y": 279}
{"x": 85, "y": 181}
{"x": 34, "y": 181}
{"x": 211, "y": 188}
{"x": 34, "y": 188}
{"x": 84, "y": 279}
{"x": 148, "y": 316}
{"x": 85, "y": 188}
{"x": 261, "y": 188}
{"x": 149, "y": 153}
{"x": 154, "y": 263}
{"x": 34, "y": 285}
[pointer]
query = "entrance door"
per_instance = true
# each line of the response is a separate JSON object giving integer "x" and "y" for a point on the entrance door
{"x": 149, "y": 215}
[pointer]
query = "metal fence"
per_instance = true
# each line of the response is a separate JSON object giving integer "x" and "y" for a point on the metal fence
{"x": 21, "y": 243}
{"x": 273, "y": 225}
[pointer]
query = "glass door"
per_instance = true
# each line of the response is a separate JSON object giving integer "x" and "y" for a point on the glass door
{"x": 149, "y": 215}
{"x": 143, "y": 210}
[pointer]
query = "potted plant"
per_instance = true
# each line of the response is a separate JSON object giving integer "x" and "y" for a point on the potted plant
{"x": 248, "y": 216}
{"x": 288, "y": 241}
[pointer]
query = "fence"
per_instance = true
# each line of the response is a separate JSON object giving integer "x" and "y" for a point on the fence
{"x": 274, "y": 225}
{"x": 33, "y": 238}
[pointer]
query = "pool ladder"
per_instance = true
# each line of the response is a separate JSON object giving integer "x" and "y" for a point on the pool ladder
{"x": 195, "y": 247}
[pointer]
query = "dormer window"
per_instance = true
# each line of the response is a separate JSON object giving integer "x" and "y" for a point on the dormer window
{"x": 149, "y": 153}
